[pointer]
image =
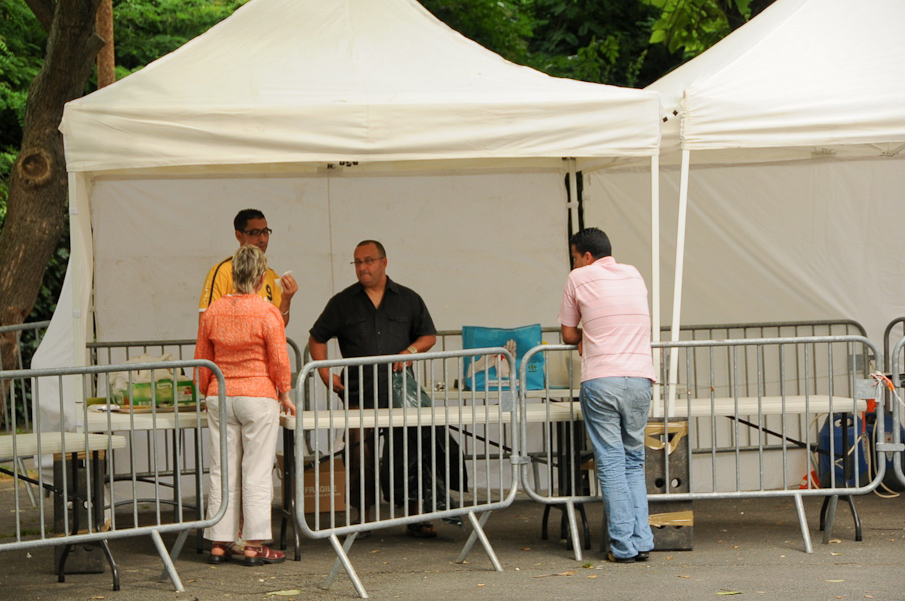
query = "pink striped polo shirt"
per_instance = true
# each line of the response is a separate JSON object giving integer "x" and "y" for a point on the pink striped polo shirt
{"x": 610, "y": 301}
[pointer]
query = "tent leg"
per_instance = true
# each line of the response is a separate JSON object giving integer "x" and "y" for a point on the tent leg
{"x": 655, "y": 267}
{"x": 677, "y": 292}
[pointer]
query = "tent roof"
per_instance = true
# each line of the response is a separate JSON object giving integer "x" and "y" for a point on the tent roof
{"x": 803, "y": 73}
{"x": 296, "y": 81}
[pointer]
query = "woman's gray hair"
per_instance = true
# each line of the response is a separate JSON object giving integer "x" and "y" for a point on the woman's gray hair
{"x": 249, "y": 264}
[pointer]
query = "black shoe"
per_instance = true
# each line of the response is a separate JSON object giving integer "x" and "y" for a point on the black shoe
{"x": 642, "y": 556}
{"x": 614, "y": 559}
{"x": 218, "y": 559}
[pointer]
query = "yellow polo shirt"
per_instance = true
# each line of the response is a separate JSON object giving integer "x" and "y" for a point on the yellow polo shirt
{"x": 219, "y": 282}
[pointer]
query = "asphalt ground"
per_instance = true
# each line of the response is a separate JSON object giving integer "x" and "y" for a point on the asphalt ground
{"x": 745, "y": 549}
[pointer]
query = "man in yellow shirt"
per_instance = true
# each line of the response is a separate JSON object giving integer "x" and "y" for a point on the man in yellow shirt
{"x": 251, "y": 228}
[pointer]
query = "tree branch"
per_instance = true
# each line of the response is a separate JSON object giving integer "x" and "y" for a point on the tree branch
{"x": 43, "y": 10}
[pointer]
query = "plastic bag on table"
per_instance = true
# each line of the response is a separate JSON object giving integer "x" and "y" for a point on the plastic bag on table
{"x": 119, "y": 381}
{"x": 407, "y": 393}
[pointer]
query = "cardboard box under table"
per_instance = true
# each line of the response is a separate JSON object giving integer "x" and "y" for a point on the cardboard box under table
{"x": 319, "y": 494}
{"x": 672, "y": 522}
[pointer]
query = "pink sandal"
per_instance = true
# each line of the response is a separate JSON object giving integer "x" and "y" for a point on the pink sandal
{"x": 223, "y": 557}
{"x": 262, "y": 555}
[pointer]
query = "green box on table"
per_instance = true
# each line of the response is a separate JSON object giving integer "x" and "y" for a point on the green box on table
{"x": 163, "y": 392}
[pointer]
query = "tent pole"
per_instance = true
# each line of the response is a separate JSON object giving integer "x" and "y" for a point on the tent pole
{"x": 677, "y": 289}
{"x": 655, "y": 268}
{"x": 573, "y": 196}
{"x": 77, "y": 248}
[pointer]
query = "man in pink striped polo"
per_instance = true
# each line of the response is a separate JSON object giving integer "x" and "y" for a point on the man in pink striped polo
{"x": 609, "y": 300}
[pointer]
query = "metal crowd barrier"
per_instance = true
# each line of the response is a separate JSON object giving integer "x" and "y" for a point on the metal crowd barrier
{"x": 568, "y": 371}
{"x": 143, "y": 444}
{"x": 114, "y": 506}
{"x": 768, "y": 463}
{"x": 105, "y": 353}
{"x": 896, "y": 447}
{"x": 415, "y": 473}
{"x": 25, "y": 337}
{"x": 15, "y": 399}
{"x": 887, "y": 339}
{"x": 771, "y": 329}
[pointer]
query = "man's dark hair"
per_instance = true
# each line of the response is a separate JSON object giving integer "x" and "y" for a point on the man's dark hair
{"x": 379, "y": 246}
{"x": 243, "y": 217}
{"x": 592, "y": 240}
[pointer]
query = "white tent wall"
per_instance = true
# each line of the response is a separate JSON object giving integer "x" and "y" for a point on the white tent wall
{"x": 64, "y": 342}
{"x": 486, "y": 249}
{"x": 784, "y": 88}
{"x": 769, "y": 241}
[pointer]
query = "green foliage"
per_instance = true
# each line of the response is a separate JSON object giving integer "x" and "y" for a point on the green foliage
{"x": 21, "y": 52}
{"x": 695, "y": 25}
{"x": 504, "y": 27}
{"x": 146, "y": 30}
{"x": 601, "y": 42}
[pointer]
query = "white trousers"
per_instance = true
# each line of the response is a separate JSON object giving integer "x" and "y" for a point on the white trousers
{"x": 251, "y": 430}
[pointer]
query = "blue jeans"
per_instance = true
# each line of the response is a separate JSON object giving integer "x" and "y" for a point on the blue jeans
{"x": 615, "y": 413}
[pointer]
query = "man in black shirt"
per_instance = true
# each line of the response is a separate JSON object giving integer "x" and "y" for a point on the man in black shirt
{"x": 375, "y": 316}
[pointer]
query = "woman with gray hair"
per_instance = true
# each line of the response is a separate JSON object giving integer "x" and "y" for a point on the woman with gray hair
{"x": 244, "y": 336}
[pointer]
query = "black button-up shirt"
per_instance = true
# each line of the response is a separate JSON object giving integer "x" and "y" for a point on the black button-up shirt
{"x": 363, "y": 330}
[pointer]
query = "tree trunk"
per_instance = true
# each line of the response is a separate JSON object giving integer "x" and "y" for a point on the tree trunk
{"x": 38, "y": 186}
{"x": 106, "y": 62}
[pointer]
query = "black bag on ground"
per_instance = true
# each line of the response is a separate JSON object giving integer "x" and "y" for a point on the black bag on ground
{"x": 444, "y": 464}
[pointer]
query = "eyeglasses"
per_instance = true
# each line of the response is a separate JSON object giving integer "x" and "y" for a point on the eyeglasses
{"x": 255, "y": 233}
{"x": 368, "y": 261}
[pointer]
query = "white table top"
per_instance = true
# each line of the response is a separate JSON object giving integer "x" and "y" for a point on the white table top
{"x": 57, "y": 442}
{"x": 123, "y": 421}
{"x": 561, "y": 411}
{"x": 768, "y": 405}
{"x": 464, "y": 415}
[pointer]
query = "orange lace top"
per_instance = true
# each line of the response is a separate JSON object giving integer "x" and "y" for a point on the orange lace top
{"x": 244, "y": 336}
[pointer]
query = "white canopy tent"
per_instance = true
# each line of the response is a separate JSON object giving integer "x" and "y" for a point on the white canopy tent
{"x": 342, "y": 121}
{"x": 795, "y": 124}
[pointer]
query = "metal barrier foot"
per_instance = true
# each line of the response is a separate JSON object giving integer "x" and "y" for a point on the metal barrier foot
{"x": 343, "y": 559}
{"x": 113, "y": 568}
{"x": 803, "y": 523}
{"x": 347, "y": 544}
{"x": 478, "y": 532}
{"x": 573, "y": 530}
{"x": 567, "y": 533}
{"x": 174, "y": 554}
{"x": 167, "y": 561}
{"x": 472, "y": 538}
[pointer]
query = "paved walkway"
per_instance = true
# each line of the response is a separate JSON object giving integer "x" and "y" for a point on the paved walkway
{"x": 751, "y": 548}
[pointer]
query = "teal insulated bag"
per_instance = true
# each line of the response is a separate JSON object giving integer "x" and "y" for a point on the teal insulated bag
{"x": 482, "y": 371}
